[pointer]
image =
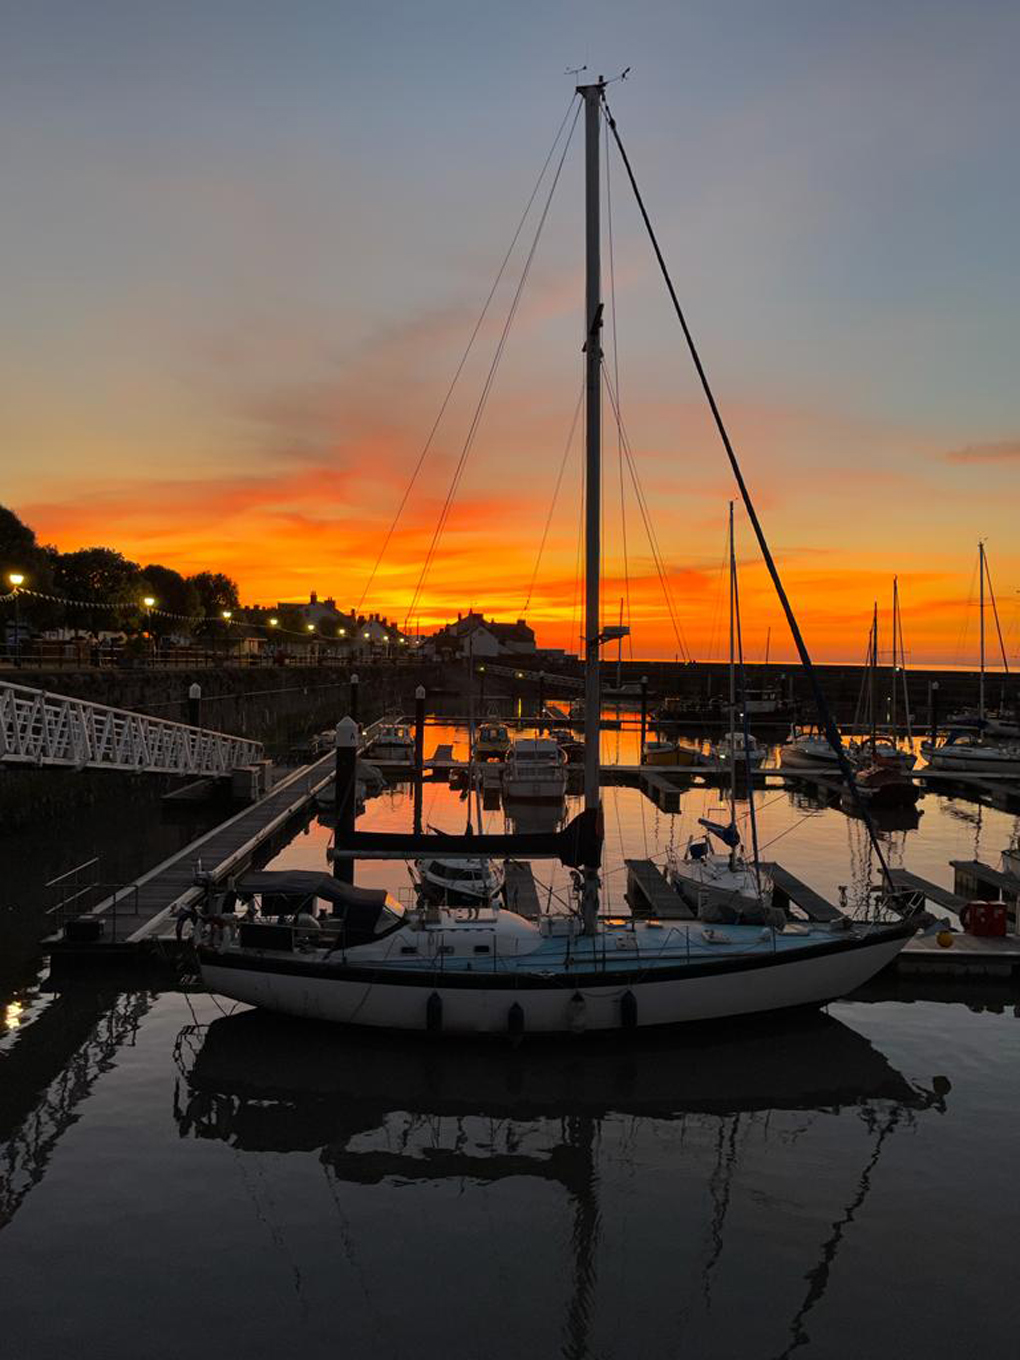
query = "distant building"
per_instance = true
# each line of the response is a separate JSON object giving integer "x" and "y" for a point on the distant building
{"x": 473, "y": 635}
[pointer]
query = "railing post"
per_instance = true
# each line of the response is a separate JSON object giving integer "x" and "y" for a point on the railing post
{"x": 195, "y": 705}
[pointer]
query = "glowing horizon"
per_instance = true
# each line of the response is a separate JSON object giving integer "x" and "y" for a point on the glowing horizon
{"x": 232, "y": 327}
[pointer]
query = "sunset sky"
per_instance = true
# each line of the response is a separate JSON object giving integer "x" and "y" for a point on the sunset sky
{"x": 245, "y": 242}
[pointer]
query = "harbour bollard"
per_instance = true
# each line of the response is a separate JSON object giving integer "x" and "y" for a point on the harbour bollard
{"x": 419, "y": 754}
{"x": 195, "y": 705}
{"x": 644, "y": 712}
{"x": 346, "y": 794}
{"x": 353, "y": 707}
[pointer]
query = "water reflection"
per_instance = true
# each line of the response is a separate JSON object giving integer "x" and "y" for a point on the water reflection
{"x": 400, "y": 1113}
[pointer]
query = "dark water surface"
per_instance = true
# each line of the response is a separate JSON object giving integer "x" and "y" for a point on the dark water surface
{"x": 180, "y": 1177}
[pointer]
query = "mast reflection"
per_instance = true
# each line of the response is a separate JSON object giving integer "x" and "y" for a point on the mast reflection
{"x": 380, "y": 1110}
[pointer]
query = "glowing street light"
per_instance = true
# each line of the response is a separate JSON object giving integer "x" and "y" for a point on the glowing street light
{"x": 274, "y": 622}
{"x": 17, "y": 580}
{"x": 227, "y": 615}
{"x": 149, "y": 601}
{"x": 310, "y": 627}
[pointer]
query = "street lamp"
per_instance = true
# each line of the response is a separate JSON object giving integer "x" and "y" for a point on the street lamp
{"x": 17, "y": 580}
{"x": 149, "y": 601}
{"x": 274, "y": 623}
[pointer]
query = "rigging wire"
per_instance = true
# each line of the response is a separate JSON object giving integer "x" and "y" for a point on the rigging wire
{"x": 821, "y": 704}
{"x": 490, "y": 377}
{"x": 555, "y": 496}
{"x": 616, "y": 384}
{"x": 653, "y": 541}
{"x": 464, "y": 357}
{"x": 995, "y": 614}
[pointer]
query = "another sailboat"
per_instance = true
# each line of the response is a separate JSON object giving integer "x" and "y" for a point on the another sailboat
{"x": 366, "y": 961}
{"x": 973, "y": 749}
{"x": 720, "y": 884}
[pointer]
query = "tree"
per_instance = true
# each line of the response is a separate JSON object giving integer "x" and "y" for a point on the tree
{"x": 216, "y": 592}
{"x": 173, "y": 594}
{"x": 19, "y": 552}
{"x": 103, "y": 577}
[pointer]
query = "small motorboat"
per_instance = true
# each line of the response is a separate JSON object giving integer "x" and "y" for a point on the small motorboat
{"x": 807, "y": 750}
{"x": 968, "y": 752}
{"x": 883, "y": 786}
{"x": 492, "y": 742}
{"x": 393, "y": 743}
{"x": 458, "y": 882}
{"x": 535, "y": 769}
{"x": 747, "y": 752}
{"x": 670, "y": 753}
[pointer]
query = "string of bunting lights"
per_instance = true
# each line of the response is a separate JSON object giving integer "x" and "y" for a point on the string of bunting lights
{"x": 231, "y": 622}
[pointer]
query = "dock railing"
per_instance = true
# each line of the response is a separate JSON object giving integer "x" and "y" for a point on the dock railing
{"x": 78, "y": 891}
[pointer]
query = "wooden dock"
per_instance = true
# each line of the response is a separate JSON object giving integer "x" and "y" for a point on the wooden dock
{"x": 981, "y": 882}
{"x": 968, "y": 956}
{"x": 787, "y": 889}
{"x": 650, "y": 894}
{"x": 663, "y": 792}
{"x": 520, "y": 892}
{"x": 145, "y": 908}
{"x": 932, "y": 892}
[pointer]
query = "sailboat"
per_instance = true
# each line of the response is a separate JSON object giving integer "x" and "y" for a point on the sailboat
{"x": 970, "y": 746}
{"x": 373, "y": 963}
{"x": 738, "y": 751}
{"x": 720, "y": 884}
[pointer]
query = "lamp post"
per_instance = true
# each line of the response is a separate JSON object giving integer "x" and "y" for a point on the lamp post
{"x": 226, "y": 615}
{"x": 17, "y": 580}
{"x": 149, "y": 601}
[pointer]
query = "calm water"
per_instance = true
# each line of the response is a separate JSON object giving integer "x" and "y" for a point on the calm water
{"x": 181, "y": 1177}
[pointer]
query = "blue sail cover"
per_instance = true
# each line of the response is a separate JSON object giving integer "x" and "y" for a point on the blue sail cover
{"x": 726, "y": 831}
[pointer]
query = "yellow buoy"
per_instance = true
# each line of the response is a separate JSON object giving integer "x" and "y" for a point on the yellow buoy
{"x": 945, "y": 939}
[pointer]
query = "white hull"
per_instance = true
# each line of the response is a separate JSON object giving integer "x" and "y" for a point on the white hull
{"x": 701, "y": 894}
{"x": 559, "y": 1008}
{"x": 973, "y": 761}
{"x": 542, "y": 790}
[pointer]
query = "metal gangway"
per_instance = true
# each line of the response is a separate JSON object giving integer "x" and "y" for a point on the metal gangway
{"x": 42, "y": 729}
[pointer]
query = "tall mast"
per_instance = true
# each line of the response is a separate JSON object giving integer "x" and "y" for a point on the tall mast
{"x": 733, "y": 692}
{"x": 981, "y": 614}
{"x": 619, "y": 650}
{"x": 592, "y": 96}
{"x": 895, "y": 611}
{"x": 872, "y": 708}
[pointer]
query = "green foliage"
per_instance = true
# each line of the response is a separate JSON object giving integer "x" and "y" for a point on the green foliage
{"x": 104, "y": 576}
{"x": 216, "y": 592}
{"x": 172, "y": 593}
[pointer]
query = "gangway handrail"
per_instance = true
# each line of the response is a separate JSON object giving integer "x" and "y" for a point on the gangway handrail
{"x": 41, "y": 728}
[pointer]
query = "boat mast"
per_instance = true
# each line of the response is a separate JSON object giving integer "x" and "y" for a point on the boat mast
{"x": 895, "y": 653}
{"x": 981, "y": 615}
{"x": 733, "y": 695}
{"x": 872, "y": 707}
{"x": 592, "y": 96}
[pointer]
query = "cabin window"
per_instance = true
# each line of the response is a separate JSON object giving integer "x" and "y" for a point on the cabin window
{"x": 482, "y": 949}
{"x": 408, "y": 949}
{"x": 445, "y": 949}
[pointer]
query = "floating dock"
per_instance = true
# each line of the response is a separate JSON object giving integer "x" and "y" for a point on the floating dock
{"x": 649, "y": 893}
{"x": 520, "y": 892}
{"x": 787, "y": 889}
{"x": 144, "y": 908}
